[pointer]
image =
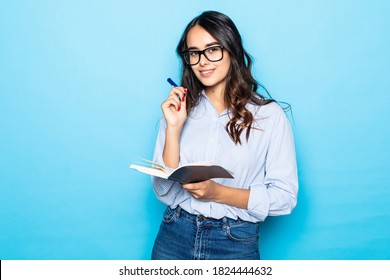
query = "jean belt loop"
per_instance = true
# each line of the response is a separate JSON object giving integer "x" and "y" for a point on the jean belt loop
{"x": 177, "y": 211}
{"x": 225, "y": 221}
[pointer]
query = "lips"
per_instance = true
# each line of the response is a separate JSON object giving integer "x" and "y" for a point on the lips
{"x": 206, "y": 73}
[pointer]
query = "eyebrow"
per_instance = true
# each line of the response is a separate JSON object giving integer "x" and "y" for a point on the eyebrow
{"x": 207, "y": 45}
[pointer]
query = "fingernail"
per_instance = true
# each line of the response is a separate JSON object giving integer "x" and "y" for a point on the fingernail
{"x": 185, "y": 90}
{"x": 184, "y": 95}
{"x": 179, "y": 108}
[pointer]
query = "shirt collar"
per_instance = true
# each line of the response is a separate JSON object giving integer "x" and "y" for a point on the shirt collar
{"x": 224, "y": 112}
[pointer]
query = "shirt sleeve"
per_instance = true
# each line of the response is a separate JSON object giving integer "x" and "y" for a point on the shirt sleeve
{"x": 277, "y": 194}
{"x": 167, "y": 191}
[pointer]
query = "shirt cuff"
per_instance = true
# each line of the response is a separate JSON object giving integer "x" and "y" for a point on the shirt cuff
{"x": 161, "y": 185}
{"x": 259, "y": 202}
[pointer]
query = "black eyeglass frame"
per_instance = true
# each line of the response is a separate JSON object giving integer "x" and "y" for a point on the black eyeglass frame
{"x": 200, "y": 53}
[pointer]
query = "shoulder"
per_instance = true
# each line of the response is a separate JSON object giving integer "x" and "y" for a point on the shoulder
{"x": 269, "y": 116}
{"x": 270, "y": 110}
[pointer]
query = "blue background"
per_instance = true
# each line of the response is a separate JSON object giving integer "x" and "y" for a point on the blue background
{"x": 81, "y": 84}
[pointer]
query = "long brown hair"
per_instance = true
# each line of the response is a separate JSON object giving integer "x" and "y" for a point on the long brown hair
{"x": 241, "y": 87}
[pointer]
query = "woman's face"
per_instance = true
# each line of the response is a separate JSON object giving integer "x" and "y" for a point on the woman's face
{"x": 211, "y": 74}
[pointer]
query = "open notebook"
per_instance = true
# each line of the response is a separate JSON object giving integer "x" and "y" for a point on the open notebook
{"x": 188, "y": 173}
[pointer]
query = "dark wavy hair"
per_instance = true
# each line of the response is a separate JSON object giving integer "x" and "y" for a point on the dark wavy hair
{"x": 241, "y": 87}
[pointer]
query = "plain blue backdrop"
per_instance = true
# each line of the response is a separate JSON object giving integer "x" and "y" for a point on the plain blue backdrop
{"x": 81, "y": 84}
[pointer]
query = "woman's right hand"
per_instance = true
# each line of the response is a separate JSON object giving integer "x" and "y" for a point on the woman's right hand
{"x": 175, "y": 114}
{"x": 174, "y": 108}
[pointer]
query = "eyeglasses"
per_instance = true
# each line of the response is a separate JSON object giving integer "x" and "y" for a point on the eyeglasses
{"x": 213, "y": 54}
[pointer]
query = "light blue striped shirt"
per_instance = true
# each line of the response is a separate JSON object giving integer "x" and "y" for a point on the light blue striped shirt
{"x": 265, "y": 164}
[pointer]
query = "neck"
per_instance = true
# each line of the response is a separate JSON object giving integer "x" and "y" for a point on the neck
{"x": 216, "y": 97}
{"x": 216, "y": 92}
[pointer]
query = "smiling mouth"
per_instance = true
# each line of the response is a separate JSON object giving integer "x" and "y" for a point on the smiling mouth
{"x": 206, "y": 73}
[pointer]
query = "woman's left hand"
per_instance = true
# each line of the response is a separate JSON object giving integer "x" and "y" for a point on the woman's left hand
{"x": 205, "y": 190}
{"x": 212, "y": 191}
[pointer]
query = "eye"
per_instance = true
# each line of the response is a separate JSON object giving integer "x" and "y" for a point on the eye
{"x": 193, "y": 53}
{"x": 213, "y": 49}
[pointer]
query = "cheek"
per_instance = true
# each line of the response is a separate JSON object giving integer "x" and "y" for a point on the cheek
{"x": 223, "y": 71}
{"x": 196, "y": 72}
{"x": 226, "y": 65}
{"x": 226, "y": 69}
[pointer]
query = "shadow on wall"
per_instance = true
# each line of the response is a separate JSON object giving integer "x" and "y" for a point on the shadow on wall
{"x": 154, "y": 216}
{"x": 280, "y": 235}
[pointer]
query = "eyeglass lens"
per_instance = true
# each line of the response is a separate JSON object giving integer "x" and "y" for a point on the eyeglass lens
{"x": 213, "y": 54}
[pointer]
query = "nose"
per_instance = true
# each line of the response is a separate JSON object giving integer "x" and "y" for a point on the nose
{"x": 203, "y": 60}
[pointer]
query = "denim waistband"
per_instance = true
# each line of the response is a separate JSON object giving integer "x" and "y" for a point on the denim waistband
{"x": 179, "y": 212}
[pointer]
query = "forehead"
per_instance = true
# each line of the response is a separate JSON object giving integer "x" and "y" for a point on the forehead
{"x": 199, "y": 38}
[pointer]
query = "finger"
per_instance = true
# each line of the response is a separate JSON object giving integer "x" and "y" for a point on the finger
{"x": 171, "y": 102}
{"x": 190, "y": 187}
{"x": 174, "y": 100}
{"x": 180, "y": 92}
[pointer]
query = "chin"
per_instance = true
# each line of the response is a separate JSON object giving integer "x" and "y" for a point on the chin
{"x": 208, "y": 82}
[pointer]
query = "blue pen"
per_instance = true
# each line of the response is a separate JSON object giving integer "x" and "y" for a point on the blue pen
{"x": 175, "y": 85}
{"x": 172, "y": 82}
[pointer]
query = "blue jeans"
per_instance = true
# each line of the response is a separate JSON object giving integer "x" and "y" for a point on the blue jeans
{"x": 183, "y": 236}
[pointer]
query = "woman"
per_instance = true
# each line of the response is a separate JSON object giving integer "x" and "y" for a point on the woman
{"x": 216, "y": 115}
